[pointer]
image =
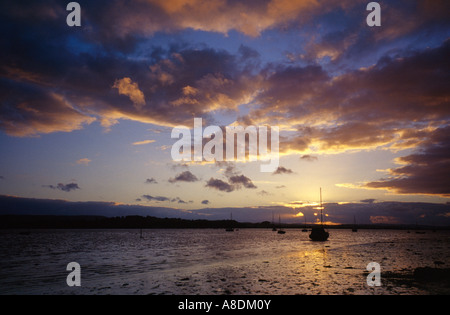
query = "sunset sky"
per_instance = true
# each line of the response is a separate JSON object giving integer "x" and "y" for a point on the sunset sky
{"x": 86, "y": 113}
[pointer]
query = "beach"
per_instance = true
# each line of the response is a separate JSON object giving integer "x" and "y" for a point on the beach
{"x": 215, "y": 262}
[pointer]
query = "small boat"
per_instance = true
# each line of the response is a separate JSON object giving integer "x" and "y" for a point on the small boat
{"x": 354, "y": 229}
{"x": 318, "y": 234}
{"x": 305, "y": 229}
{"x": 274, "y": 229}
{"x": 230, "y": 229}
{"x": 280, "y": 230}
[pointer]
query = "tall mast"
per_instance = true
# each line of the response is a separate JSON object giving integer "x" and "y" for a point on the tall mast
{"x": 321, "y": 208}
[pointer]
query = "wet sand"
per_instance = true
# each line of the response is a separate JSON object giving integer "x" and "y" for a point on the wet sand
{"x": 248, "y": 261}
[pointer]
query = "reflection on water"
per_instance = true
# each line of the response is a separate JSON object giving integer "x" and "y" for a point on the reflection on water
{"x": 253, "y": 261}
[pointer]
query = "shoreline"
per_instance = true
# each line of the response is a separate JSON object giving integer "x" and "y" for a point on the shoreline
{"x": 8, "y": 222}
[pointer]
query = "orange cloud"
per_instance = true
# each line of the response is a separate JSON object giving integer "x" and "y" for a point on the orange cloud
{"x": 131, "y": 89}
{"x": 84, "y": 161}
{"x": 382, "y": 219}
{"x": 143, "y": 142}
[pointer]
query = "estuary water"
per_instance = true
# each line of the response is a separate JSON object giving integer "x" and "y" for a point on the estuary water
{"x": 215, "y": 262}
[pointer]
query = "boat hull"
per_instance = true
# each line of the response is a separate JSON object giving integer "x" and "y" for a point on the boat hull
{"x": 319, "y": 235}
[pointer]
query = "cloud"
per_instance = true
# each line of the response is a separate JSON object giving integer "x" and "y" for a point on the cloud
{"x": 151, "y": 181}
{"x": 309, "y": 158}
{"x": 186, "y": 176}
{"x": 29, "y": 110}
{"x": 144, "y": 142}
{"x": 239, "y": 180}
{"x": 32, "y": 206}
{"x": 368, "y": 200}
{"x": 219, "y": 185}
{"x": 84, "y": 161}
{"x": 180, "y": 201}
{"x": 235, "y": 182}
{"x": 424, "y": 172}
{"x": 164, "y": 199}
{"x": 64, "y": 187}
{"x": 388, "y": 105}
{"x": 1, "y": 177}
{"x": 68, "y": 81}
{"x": 157, "y": 198}
{"x": 221, "y": 16}
{"x": 381, "y": 219}
{"x": 343, "y": 40}
{"x": 45, "y": 90}
{"x": 282, "y": 170}
{"x": 382, "y": 212}
{"x": 206, "y": 202}
{"x": 131, "y": 89}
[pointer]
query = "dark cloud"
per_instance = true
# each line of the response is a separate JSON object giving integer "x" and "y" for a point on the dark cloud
{"x": 181, "y": 201}
{"x": 219, "y": 185}
{"x": 53, "y": 79}
{"x": 1, "y": 177}
{"x": 344, "y": 41}
{"x": 186, "y": 176}
{"x": 282, "y": 170}
{"x": 164, "y": 199}
{"x": 151, "y": 181}
{"x": 205, "y": 202}
{"x": 239, "y": 180}
{"x": 365, "y": 213}
{"x": 309, "y": 158}
{"x": 64, "y": 187}
{"x": 31, "y": 206}
{"x": 235, "y": 182}
{"x": 424, "y": 172}
{"x": 360, "y": 109}
{"x": 380, "y": 212}
{"x": 368, "y": 200}
{"x": 155, "y": 198}
{"x": 27, "y": 109}
{"x": 235, "y": 179}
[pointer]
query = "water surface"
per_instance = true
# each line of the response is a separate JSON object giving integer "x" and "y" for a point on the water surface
{"x": 191, "y": 261}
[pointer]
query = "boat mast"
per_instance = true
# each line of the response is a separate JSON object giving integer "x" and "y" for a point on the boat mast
{"x": 321, "y": 208}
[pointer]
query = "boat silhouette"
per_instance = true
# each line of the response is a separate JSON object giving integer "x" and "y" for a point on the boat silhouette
{"x": 230, "y": 228}
{"x": 305, "y": 229}
{"x": 318, "y": 234}
{"x": 274, "y": 229}
{"x": 354, "y": 229}
{"x": 280, "y": 230}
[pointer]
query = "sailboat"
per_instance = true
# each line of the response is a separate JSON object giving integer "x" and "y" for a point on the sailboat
{"x": 230, "y": 229}
{"x": 273, "y": 224}
{"x": 319, "y": 234}
{"x": 280, "y": 230}
{"x": 354, "y": 229}
{"x": 305, "y": 229}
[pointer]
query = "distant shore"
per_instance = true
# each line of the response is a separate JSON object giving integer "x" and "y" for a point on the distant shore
{"x": 141, "y": 222}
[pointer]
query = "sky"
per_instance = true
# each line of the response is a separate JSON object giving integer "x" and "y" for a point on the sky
{"x": 87, "y": 113}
